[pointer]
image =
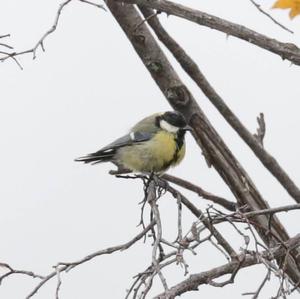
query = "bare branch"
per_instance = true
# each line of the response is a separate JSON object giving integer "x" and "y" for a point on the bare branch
{"x": 270, "y": 17}
{"x": 208, "y": 139}
{"x": 195, "y": 73}
{"x": 273, "y": 211}
{"x": 4, "y": 36}
{"x": 12, "y": 271}
{"x": 198, "y": 213}
{"x": 93, "y": 4}
{"x": 216, "y": 153}
{"x": 40, "y": 43}
{"x": 5, "y": 45}
{"x": 229, "y": 205}
{"x": 244, "y": 260}
{"x": 262, "y": 284}
{"x": 151, "y": 199}
{"x": 179, "y": 219}
{"x": 59, "y": 282}
{"x": 154, "y": 14}
{"x": 64, "y": 267}
{"x": 231, "y": 278}
{"x": 285, "y": 50}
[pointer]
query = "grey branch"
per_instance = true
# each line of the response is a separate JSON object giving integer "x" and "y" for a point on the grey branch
{"x": 207, "y": 223}
{"x": 216, "y": 152}
{"x": 195, "y": 73}
{"x": 3, "y": 44}
{"x": 270, "y": 17}
{"x": 93, "y": 4}
{"x": 151, "y": 199}
{"x": 244, "y": 260}
{"x": 11, "y": 271}
{"x": 285, "y": 50}
{"x": 273, "y": 210}
{"x": 40, "y": 43}
{"x": 229, "y": 205}
{"x": 208, "y": 139}
{"x": 65, "y": 267}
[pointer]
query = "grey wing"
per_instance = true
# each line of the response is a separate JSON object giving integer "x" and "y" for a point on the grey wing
{"x": 107, "y": 153}
{"x": 129, "y": 139}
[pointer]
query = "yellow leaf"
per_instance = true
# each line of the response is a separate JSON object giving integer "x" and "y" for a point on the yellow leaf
{"x": 293, "y": 5}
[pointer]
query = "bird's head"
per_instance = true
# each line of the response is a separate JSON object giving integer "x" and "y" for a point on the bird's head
{"x": 172, "y": 121}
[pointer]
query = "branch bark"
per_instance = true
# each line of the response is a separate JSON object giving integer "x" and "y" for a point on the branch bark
{"x": 194, "y": 281}
{"x": 192, "y": 69}
{"x": 285, "y": 50}
{"x": 229, "y": 205}
{"x": 64, "y": 267}
{"x": 210, "y": 142}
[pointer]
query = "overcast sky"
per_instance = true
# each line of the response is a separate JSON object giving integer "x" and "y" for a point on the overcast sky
{"x": 90, "y": 87}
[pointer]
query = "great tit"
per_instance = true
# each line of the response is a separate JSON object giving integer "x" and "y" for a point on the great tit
{"x": 152, "y": 145}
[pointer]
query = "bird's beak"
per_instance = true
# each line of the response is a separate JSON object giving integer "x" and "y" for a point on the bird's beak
{"x": 188, "y": 128}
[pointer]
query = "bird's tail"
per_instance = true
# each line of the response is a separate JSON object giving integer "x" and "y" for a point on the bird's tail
{"x": 97, "y": 157}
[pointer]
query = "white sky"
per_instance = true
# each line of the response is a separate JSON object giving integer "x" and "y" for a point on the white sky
{"x": 89, "y": 88}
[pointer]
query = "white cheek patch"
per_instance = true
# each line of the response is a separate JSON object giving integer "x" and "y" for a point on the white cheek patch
{"x": 168, "y": 127}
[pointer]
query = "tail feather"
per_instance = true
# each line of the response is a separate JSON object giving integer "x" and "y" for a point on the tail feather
{"x": 97, "y": 157}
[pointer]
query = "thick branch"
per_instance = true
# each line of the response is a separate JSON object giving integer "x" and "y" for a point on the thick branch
{"x": 195, "y": 73}
{"x": 284, "y": 50}
{"x": 194, "y": 281}
{"x": 210, "y": 142}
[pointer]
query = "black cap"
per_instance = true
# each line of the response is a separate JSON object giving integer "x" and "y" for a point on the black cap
{"x": 174, "y": 118}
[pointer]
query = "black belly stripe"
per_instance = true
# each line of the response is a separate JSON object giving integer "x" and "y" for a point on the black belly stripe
{"x": 179, "y": 143}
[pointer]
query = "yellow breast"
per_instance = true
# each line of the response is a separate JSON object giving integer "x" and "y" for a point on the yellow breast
{"x": 156, "y": 155}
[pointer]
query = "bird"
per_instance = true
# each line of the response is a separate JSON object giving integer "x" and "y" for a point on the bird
{"x": 153, "y": 145}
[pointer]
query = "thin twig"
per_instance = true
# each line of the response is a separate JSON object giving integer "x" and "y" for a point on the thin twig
{"x": 6, "y": 46}
{"x": 64, "y": 267}
{"x": 93, "y": 4}
{"x": 151, "y": 199}
{"x": 179, "y": 219}
{"x": 262, "y": 284}
{"x": 195, "y": 280}
{"x": 229, "y": 205}
{"x": 58, "y": 282}
{"x": 198, "y": 213}
{"x": 258, "y": 6}
{"x": 4, "y": 36}
{"x": 154, "y": 14}
{"x": 13, "y": 271}
{"x": 273, "y": 210}
{"x": 40, "y": 43}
